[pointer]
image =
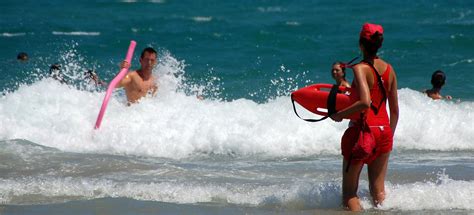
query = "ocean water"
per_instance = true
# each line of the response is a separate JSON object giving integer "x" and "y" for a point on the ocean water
{"x": 241, "y": 149}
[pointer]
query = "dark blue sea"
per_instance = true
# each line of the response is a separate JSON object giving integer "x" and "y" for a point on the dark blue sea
{"x": 240, "y": 150}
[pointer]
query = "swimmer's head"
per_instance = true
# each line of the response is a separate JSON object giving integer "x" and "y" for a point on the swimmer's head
{"x": 148, "y": 58}
{"x": 338, "y": 70}
{"x": 22, "y": 56}
{"x": 54, "y": 68}
{"x": 90, "y": 74}
{"x": 149, "y": 50}
{"x": 438, "y": 79}
{"x": 55, "y": 72}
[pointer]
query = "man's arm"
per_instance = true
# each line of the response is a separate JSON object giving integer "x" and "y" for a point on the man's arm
{"x": 124, "y": 82}
{"x": 127, "y": 79}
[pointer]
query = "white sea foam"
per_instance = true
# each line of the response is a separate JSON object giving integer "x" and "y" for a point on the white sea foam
{"x": 202, "y": 18}
{"x": 292, "y": 23}
{"x": 7, "y": 34}
{"x": 442, "y": 195}
{"x": 157, "y": 1}
{"x": 447, "y": 195}
{"x": 273, "y": 9}
{"x": 463, "y": 61}
{"x": 176, "y": 125}
{"x": 434, "y": 124}
{"x": 76, "y": 33}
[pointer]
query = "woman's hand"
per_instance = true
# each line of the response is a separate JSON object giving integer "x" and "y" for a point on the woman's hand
{"x": 336, "y": 117}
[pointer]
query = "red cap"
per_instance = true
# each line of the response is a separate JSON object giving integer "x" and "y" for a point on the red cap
{"x": 369, "y": 29}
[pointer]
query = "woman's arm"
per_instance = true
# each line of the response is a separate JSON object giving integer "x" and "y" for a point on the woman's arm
{"x": 393, "y": 102}
{"x": 364, "y": 94}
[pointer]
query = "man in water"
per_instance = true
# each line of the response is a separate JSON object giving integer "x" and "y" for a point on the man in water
{"x": 139, "y": 83}
{"x": 56, "y": 74}
{"x": 22, "y": 56}
{"x": 94, "y": 79}
{"x": 438, "y": 79}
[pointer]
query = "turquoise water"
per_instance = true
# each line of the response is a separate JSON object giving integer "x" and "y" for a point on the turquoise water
{"x": 241, "y": 149}
{"x": 245, "y": 43}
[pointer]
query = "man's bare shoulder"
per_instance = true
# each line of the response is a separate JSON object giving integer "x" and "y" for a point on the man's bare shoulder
{"x": 131, "y": 74}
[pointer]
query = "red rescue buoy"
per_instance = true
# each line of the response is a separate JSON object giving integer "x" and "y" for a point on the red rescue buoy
{"x": 315, "y": 99}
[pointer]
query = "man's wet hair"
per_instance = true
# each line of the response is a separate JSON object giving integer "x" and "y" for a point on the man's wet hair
{"x": 54, "y": 67}
{"x": 22, "y": 56}
{"x": 90, "y": 73}
{"x": 148, "y": 50}
{"x": 55, "y": 73}
{"x": 438, "y": 79}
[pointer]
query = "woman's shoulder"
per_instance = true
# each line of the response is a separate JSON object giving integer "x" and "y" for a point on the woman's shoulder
{"x": 383, "y": 61}
{"x": 360, "y": 66}
{"x": 346, "y": 84}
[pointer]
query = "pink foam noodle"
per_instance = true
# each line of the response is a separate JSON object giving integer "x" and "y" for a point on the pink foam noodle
{"x": 114, "y": 83}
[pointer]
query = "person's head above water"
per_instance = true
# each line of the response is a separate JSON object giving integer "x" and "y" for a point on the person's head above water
{"x": 148, "y": 58}
{"x": 54, "y": 68}
{"x": 55, "y": 73}
{"x": 92, "y": 75}
{"x": 338, "y": 70}
{"x": 149, "y": 50}
{"x": 438, "y": 79}
{"x": 371, "y": 38}
{"x": 22, "y": 56}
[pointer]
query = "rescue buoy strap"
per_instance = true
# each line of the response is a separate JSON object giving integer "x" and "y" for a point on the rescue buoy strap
{"x": 380, "y": 83}
{"x": 331, "y": 105}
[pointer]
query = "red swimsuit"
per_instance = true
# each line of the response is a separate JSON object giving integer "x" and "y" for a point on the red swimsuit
{"x": 379, "y": 123}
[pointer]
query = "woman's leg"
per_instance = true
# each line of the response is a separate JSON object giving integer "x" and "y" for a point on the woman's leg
{"x": 350, "y": 184}
{"x": 377, "y": 171}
